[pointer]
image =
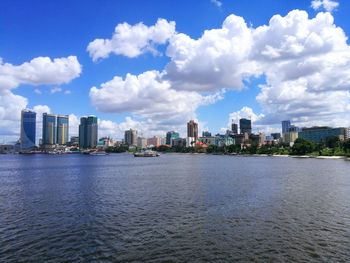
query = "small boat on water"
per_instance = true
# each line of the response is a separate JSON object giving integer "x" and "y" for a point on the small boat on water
{"x": 147, "y": 153}
{"x": 99, "y": 153}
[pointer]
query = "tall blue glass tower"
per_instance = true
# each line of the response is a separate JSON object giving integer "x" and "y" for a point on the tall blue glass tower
{"x": 88, "y": 132}
{"x": 28, "y": 129}
{"x": 49, "y": 129}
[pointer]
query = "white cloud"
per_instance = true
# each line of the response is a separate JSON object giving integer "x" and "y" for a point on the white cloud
{"x": 307, "y": 67}
{"x": 217, "y": 3}
{"x": 55, "y": 90}
{"x": 328, "y": 5}
{"x": 220, "y": 58}
{"x": 151, "y": 98}
{"x": 67, "y": 92}
{"x": 132, "y": 40}
{"x": 38, "y": 71}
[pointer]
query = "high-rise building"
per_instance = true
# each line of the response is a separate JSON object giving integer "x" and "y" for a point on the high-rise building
{"x": 285, "y": 126}
{"x": 171, "y": 135}
{"x": 245, "y": 126}
{"x": 192, "y": 133}
{"x": 28, "y": 129}
{"x": 130, "y": 137}
{"x": 234, "y": 128}
{"x": 62, "y": 129}
{"x": 49, "y": 129}
{"x": 155, "y": 141}
{"x": 88, "y": 131}
{"x": 141, "y": 142}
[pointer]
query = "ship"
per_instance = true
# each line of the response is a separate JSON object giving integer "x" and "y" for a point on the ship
{"x": 147, "y": 153}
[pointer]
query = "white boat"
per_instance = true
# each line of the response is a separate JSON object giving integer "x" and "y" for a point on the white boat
{"x": 100, "y": 153}
{"x": 147, "y": 153}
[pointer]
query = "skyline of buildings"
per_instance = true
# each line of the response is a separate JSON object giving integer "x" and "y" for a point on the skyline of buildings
{"x": 55, "y": 132}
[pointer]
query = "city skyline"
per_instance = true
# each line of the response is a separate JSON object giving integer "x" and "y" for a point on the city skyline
{"x": 151, "y": 81}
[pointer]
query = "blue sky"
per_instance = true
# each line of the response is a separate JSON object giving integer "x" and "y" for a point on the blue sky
{"x": 58, "y": 29}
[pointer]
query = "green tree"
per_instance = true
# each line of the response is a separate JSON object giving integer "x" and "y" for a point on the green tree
{"x": 302, "y": 147}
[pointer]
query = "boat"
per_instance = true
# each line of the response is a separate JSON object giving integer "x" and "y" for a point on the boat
{"x": 100, "y": 153}
{"x": 147, "y": 153}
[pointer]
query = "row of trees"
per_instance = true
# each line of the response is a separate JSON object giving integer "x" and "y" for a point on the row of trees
{"x": 329, "y": 147}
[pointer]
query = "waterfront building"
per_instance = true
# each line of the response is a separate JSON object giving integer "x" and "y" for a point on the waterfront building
{"x": 223, "y": 140}
{"x": 130, "y": 137}
{"x": 206, "y": 134}
{"x": 28, "y": 129}
{"x": 141, "y": 142}
{"x": 208, "y": 140}
{"x": 320, "y": 134}
{"x": 62, "y": 129}
{"x": 245, "y": 126}
{"x": 192, "y": 133}
{"x": 290, "y": 137}
{"x": 180, "y": 142}
{"x": 262, "y": 138}
{"x": 155, "y": 141}
{"x": 234, "y": 128}
{"x": 285, "y": 126}
{"x": 171, "y": 135}
{"x": 88, "y": 131}
{"x": 49, "y": 129}
{"x": 105, "y": 142}
{"x": 347, "y": 133}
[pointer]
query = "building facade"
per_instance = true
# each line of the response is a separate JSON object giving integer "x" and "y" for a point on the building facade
{"x": 130, "y": 137}
{"x": 285, "y": 126}
{"x": 155, "y": 141}
{"x": 171, "y": 135}
{"x": 320, "y": 134}
{"x": 141, "y": 142}
{"x": 62, "y": 129}
{"x": 88, "y": 132}
{"x": 245, "y": 126}
{"x": 49, "y": 129}
{"x": 28, "y": 129}
{"x": 192, "y": 133}
{"x": 234, "y": 128}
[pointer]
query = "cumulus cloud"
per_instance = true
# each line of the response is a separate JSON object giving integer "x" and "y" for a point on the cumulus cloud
{"x": 306, "y": 63}
{"x": 151, "y": 98}
{"x": 220, "y": 58}
{"x": 132, "y": 40}
{"x": 328, "y": 5}
{"x": 38, "y": 71}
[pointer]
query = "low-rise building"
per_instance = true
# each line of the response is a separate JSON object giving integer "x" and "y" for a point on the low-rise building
{"x": 320, "y": 134}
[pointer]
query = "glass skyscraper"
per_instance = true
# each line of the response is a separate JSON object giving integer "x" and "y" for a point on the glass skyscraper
{"x": 49, "y": 129}
{"x": 62, "y": 129}
{"x": 88, "y": 132}
{"x": 285, "y": 126}
{"x": 245, "y": 126}
{"x": 28, "y": 129}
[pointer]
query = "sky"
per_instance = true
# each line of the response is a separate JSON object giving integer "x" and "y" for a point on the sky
{"x": 154, "y": 65}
